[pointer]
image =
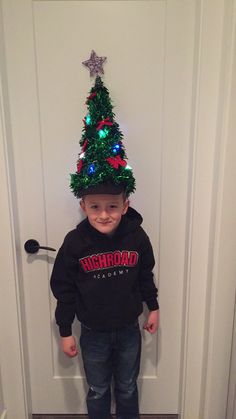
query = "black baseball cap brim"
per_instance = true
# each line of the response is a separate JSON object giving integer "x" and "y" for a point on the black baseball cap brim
{"x": 105, "y": 188}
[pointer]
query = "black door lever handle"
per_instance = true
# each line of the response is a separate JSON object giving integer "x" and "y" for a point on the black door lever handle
{"x": 32, "y": 246}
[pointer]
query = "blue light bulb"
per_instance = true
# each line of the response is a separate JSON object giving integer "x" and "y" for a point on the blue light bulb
{"x": 116, "y": 148}
{"x": 91, "y": 169}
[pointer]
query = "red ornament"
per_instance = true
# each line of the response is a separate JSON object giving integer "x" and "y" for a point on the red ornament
{"x": 116, "y": 162}
{"x": 79, "y": 166}
{"x": 103, "y": 122}
{"x": 85, "y": 145}
{"x": 91, "y": 96}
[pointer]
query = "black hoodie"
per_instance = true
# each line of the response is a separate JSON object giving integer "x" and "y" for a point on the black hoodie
{"x": 103, "y": 280}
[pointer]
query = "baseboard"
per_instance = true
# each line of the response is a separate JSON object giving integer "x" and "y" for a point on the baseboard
{"x": 163, "y": 416}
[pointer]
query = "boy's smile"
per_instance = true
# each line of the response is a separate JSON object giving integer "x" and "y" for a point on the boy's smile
{"x": 104, "y": 212}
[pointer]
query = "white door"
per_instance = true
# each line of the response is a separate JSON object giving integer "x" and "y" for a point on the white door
{"x": 149, "y": 45}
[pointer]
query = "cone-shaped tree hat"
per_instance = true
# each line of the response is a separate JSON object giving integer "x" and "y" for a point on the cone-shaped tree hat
{"x": 102, "y": 163}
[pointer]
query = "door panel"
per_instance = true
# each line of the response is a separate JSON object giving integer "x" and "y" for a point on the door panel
{"x": 149, "y": 45}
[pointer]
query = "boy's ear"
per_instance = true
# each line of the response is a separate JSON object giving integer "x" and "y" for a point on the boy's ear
{"x": 82, "y": 204}
{"x": 126, "y": 206}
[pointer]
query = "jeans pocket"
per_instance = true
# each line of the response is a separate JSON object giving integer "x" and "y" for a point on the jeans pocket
{"x": 136, "y": 324}
{"x": 85, "y": 328}
{"x": 133, "y": 326}
{"x": 84, "y": 334}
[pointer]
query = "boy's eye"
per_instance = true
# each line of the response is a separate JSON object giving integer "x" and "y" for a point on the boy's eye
{"x": 94, "y": 207}
{"x": 113, "y": 206}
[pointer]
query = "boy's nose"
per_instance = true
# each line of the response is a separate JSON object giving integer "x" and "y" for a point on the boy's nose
{"x": 103, "y": 216}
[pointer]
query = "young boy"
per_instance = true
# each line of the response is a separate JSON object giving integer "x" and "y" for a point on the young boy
{"x": 103, "y": 271}
{"x": 102, "y": 274}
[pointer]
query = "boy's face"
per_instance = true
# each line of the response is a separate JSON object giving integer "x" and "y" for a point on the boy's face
{"x": 104, "y": 212}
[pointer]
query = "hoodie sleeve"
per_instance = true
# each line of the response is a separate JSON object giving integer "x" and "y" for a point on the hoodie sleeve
{"x": 146, "y": 278}
{"x": 64, "y": 290}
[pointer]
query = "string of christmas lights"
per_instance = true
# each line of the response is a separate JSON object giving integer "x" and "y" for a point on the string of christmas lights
{"x": 102, "y": 156}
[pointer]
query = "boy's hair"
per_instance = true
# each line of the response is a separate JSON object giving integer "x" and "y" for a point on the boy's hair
{"x": 124, "y": 195}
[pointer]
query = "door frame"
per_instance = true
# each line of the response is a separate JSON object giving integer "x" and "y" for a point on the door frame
{"x": 202, "y": 361}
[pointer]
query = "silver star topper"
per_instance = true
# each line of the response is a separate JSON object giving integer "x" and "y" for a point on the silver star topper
{"x": 95, "y": 64}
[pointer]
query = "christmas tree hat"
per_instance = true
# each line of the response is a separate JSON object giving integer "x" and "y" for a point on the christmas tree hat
{"x": 101, "y": 167}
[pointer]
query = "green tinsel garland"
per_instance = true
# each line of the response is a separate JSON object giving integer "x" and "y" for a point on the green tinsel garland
{"x": 93, "y": 167}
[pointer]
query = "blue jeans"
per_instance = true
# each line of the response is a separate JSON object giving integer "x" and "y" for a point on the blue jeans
{"x": 112, "y": 354}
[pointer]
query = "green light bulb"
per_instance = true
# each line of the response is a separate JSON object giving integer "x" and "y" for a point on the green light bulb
{"x": 103, "y": 133}
{"x": 88, "y": 119}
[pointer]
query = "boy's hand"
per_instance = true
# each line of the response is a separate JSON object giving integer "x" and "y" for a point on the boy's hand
{"x": 68, "y": 345}
{"x": 152, "y": 323}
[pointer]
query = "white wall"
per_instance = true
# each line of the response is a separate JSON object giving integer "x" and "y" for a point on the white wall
{"x": 1, "y": 396}
{"x": 230, "y": 226}
{"x": 12, "y": 385}
{"x": 223, "y": 269}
